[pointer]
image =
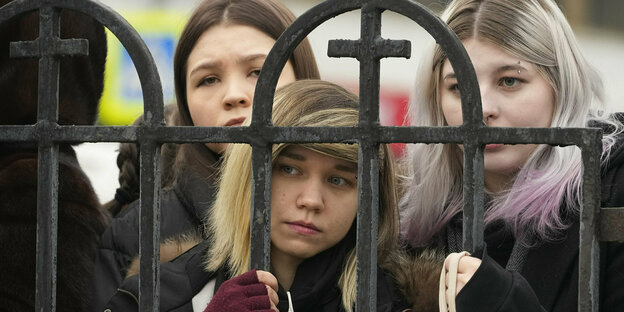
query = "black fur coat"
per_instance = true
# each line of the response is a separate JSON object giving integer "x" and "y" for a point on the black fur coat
{"x": 80, "y": 222}
{"x": 81, "y": 218}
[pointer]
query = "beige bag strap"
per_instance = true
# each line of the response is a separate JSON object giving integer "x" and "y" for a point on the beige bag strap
{"x": 453, "y": 260}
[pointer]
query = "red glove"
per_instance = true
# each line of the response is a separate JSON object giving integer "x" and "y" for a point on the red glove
{"x": 241, "y": 293}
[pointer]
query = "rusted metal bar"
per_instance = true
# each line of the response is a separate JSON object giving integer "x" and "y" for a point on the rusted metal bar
{"x": 77, "y": 134}
{"x": 260, "y": 219}
{"x": 589, "y": 249}
{"x": 149, "y": 233}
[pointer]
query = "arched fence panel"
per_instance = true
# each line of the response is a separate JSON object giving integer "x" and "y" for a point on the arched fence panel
{"x": 596, "y": 224}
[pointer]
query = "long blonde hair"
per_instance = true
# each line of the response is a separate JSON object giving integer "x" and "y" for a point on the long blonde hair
{"x": 535, "y": 31}
{"x": 307, "y": 103}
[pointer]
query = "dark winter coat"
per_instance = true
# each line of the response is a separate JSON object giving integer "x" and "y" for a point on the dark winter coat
{"x": 314, "y": 287}
{"x": 549, "y": 278}
{"x": 182, "y": 211}
{"x": 81, "y": 220}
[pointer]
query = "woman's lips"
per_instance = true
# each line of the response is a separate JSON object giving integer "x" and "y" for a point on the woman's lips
{"x": 235, "y": 122}
{"x": 493, "y": 146}
{"x": 303, "y": 228}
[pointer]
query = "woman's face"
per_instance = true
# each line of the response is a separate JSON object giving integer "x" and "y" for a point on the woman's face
{"x": 221, "y": 75}
{"x": 513, "y": 94}
{"x": 313, "y": 203}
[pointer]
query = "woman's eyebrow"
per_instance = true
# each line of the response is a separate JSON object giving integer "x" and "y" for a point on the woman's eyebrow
{"x": 292, "y": 156}
{"x": 502, "y": 69}
{"x": 251, "y": 58}
{"x": 347, "y": 168}
{"x": 351, "y": 168}
{"x": 515, "y": 67}
{"x": 207, "y": 65}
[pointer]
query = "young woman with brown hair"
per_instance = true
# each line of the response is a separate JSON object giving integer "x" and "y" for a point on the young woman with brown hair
{"x": 216, "y": 65}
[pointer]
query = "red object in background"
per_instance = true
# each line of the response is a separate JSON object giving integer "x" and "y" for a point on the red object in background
{"x": 392, "y": 112}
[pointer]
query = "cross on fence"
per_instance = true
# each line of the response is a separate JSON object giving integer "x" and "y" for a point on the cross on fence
{"x": 47, "y": 48}
{"x": 368, "y": 50}
{"x": 261, "y": 134}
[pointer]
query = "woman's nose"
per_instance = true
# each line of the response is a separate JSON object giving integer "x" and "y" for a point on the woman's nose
{"x": 488, "y": 106}
{"x": 310, "y": 197}
{"x": 238, "y": 93}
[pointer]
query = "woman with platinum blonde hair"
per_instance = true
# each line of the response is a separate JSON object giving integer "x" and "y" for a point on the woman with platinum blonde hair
{"x": 531, "y": 73}
{"x": 313, "y": 209}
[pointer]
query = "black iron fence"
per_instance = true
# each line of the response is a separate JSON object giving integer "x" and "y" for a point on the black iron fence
{"x": 596, "y": 224}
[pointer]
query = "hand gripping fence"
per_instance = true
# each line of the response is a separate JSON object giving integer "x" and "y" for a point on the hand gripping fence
{"x": 596, "y": 224}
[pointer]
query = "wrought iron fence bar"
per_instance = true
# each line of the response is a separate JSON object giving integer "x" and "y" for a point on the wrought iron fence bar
{"x": 343, "y": 48}
{"x": 49, "y": 65}
{"x": 368, "y": 188}
{"x": 149, "y": 234}
{"x": 47, "y": 161}
{"x": 393, "y": 48}
{"x": 611, "y": 224}
{"x": 551, "y": 136}
{"x": 367, "y": 225}
{"x": 47, "y": 227}
{"x": 65, "y": 46}
{"x": 385, "y": 134}
{"x": 589, "y": 249}
{"x": 473, "y": 198}
{"x": 260, "y": 218}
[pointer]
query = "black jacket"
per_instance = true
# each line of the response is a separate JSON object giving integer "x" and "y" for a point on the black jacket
{"x": 549, "y": 280}
{"x": 314, "y": 288}
{"x": 182, "y": 211}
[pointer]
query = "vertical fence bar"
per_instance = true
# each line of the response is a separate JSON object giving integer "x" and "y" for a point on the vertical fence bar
{"x": 589, "y": 249}
{"x": 260, "y": 226}
{"x": 47, "y": 227}
{"x": 367, "y": 225}
{"x": 368, "y": 168}
{"x": 149, "y": 233}
{"x": 47, "y": 162}
{"x": 473, "y": 198}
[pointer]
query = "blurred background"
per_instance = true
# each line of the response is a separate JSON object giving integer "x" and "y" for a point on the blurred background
{"x": 597, "y": 23}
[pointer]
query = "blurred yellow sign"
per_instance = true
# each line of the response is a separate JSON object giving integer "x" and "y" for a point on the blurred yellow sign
{"x": 122, "y": 100}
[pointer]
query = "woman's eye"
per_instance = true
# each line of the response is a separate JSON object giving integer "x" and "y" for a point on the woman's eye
{"x": 207, "y": 81}
{"x": 339, "y": 181}
{"x": 454, "y": 88}
{"x": 255, "y": 73}
{"x": 289, "y": 170}
{"x": 509, "y": 82}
